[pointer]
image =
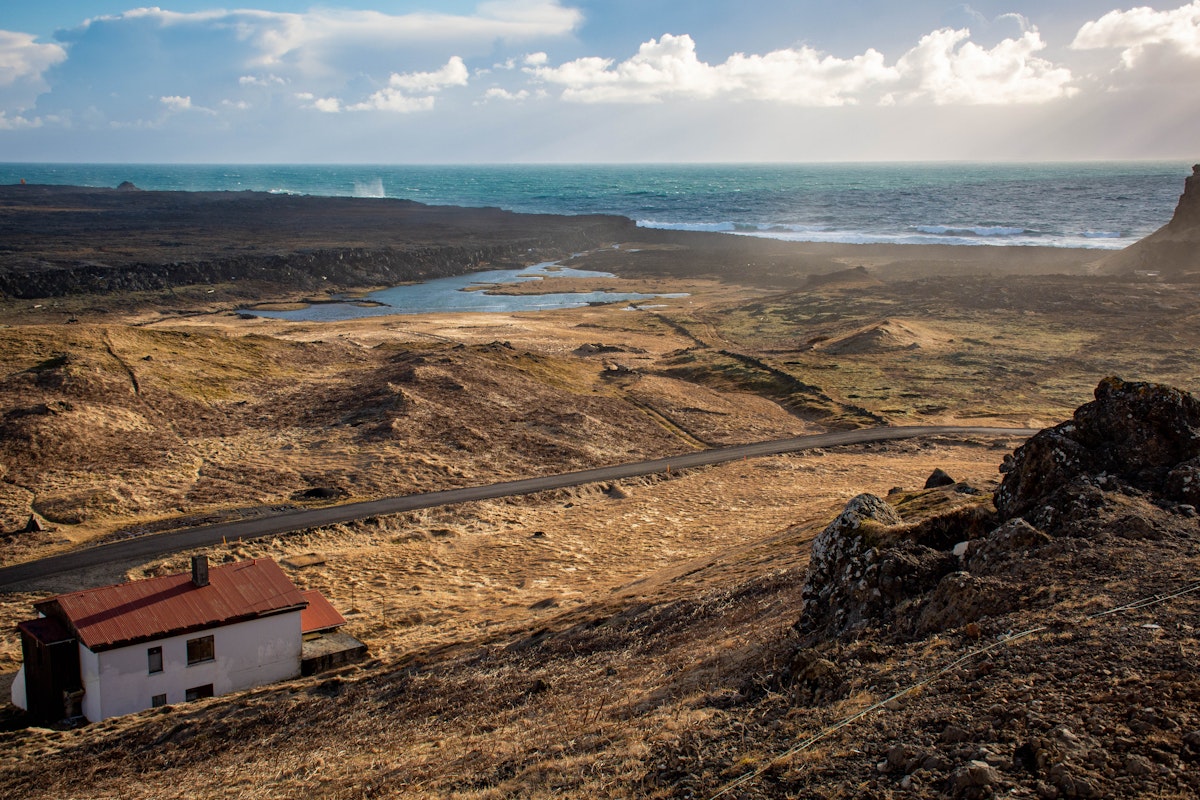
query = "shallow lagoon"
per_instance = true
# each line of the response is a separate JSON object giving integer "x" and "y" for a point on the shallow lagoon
{"x": 463, "y": 293}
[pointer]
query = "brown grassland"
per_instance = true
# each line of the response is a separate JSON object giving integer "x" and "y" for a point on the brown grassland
{"x": 606, "y": 641}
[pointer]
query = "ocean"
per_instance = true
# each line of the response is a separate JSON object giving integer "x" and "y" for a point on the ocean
{"x": 1105, "y": 205}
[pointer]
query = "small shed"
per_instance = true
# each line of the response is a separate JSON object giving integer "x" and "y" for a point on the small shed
{"x": 325, "y": 645}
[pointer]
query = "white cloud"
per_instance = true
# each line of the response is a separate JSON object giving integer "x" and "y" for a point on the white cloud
{"x": 669, "y": 67}
{"x": 306, "y": 40}
{"x": 23, "y": 59}
{"x": 1136, "y": 30}
{"x": 23, "y": 64}
{"x": 327, "y": 105}
{"x": 496, "y": 93}
{"x": 176, "y": 103}
{"x": 18, "y": 122}
{"x": 261, "y": 80}
{"x": 944, "y": 68}
{"x": 453, "y": 74}
{"x": 947, "y": 69}
{"x": 398, "y": 94}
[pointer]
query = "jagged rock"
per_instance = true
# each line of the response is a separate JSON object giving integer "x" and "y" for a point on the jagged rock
{"x": 34, "y": 525}
{"x": 1137, "y": 434}
{"x": 865, "y": 568}
{"x": 1183, "y": 482}
{"x": 975, "y": 779}
{"x": 960, "y": 598}
{"x": 816, "y": 680}
{"x": 1012, "y": 538}
{"x": 591, "y": 349}
{"x": 127, "y": 186}
{"x": 838, "y": 587}
{"x": 939, "y": 478}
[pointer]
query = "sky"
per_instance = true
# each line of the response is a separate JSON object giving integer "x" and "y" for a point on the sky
{"x": 589, "y": 81}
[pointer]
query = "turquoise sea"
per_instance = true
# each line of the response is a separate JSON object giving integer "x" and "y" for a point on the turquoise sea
{"x": 1099, "y": 205}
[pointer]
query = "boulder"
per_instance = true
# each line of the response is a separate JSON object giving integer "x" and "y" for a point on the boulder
{"x": 1142, "y": 435}
{"x": 939, "y": 478}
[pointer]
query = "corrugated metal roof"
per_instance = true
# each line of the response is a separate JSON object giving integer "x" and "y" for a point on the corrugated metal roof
{"x": 320, "y": 615}
{"x": 115, "y": 616}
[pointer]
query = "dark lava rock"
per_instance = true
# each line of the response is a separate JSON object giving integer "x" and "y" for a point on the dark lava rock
{"x": 1013, "y": 538}
{"x": 319, "y": 493}
{"x": 865, "y": 566}
{"x": 1141, "y": 435}
{"x": 839, "y": 589}
{"x": 961, "y": 598}
{"x": 816, "y": 680}
{"x": 975, "y": 779}
{"x": 939, "y": 478}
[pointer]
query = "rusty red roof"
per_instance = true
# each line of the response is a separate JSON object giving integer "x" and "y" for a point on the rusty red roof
{"x": 115, "y": 616}
{"x": 320, "y": 615}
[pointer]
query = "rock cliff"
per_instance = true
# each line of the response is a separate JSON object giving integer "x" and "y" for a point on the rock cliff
{"x": 1174, "y": 249}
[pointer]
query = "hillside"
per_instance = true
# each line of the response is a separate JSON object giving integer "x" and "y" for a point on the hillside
{"x": 852, "y": 622}
{"x": 1053, "y": 659}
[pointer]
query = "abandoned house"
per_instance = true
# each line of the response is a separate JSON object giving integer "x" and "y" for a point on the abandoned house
{"x": 100, "y": 653}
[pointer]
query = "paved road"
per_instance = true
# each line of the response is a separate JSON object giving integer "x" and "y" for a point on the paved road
{"x": 151, "y": 546}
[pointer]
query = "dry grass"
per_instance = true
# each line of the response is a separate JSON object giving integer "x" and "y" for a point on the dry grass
{"x": 600, "y": 641}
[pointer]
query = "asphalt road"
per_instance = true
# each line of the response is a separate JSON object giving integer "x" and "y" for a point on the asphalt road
{"x": 154, "y": 545}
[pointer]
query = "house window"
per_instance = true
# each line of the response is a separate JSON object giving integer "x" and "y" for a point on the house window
{"x": 154, "y": 657}
{"x": 158, "y": 700}
{"x": 200, "y": 650}
{"x": 198, "y": 692}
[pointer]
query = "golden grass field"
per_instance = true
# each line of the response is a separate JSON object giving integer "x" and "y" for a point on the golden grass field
{"x": 143, "y": 418}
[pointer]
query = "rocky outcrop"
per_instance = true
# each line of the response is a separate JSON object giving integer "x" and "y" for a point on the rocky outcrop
{"x": 864, "y": 567}
{"x": 1127, "y": 466}
{"x": 1143, "y": 436}
{"x": 1173, "y": 249}
{"x": 1187, "y": 213}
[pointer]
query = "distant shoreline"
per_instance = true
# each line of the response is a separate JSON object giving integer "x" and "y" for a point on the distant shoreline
{"x": 1096, "y": 205}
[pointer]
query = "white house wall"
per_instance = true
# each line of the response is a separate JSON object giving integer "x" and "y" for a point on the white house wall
{"x": 246, "y": 654}
{"x": 89, "y": 674}
{"x": 17, "y": 691}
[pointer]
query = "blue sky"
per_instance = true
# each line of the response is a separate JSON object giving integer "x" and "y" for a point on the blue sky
{"x": 473, "y": 81}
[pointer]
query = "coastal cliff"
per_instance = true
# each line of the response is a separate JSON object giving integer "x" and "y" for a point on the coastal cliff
{"x": 1172, "y": 250}
{"x": 61, "y": 240}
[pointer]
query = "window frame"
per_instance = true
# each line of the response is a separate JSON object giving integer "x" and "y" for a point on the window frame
{"x": 201, "y": 650}
{"x": 198, "y": 693}
{"x": 158, "y": 700}
{"x": 154, "y": 658}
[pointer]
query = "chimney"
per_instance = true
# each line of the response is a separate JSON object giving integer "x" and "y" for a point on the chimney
{"x": 200, "y": 570}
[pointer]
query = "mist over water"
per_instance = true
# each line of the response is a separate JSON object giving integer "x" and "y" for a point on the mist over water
{"x": 1097, "y": 205}
{"x": 369, "y": 188}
